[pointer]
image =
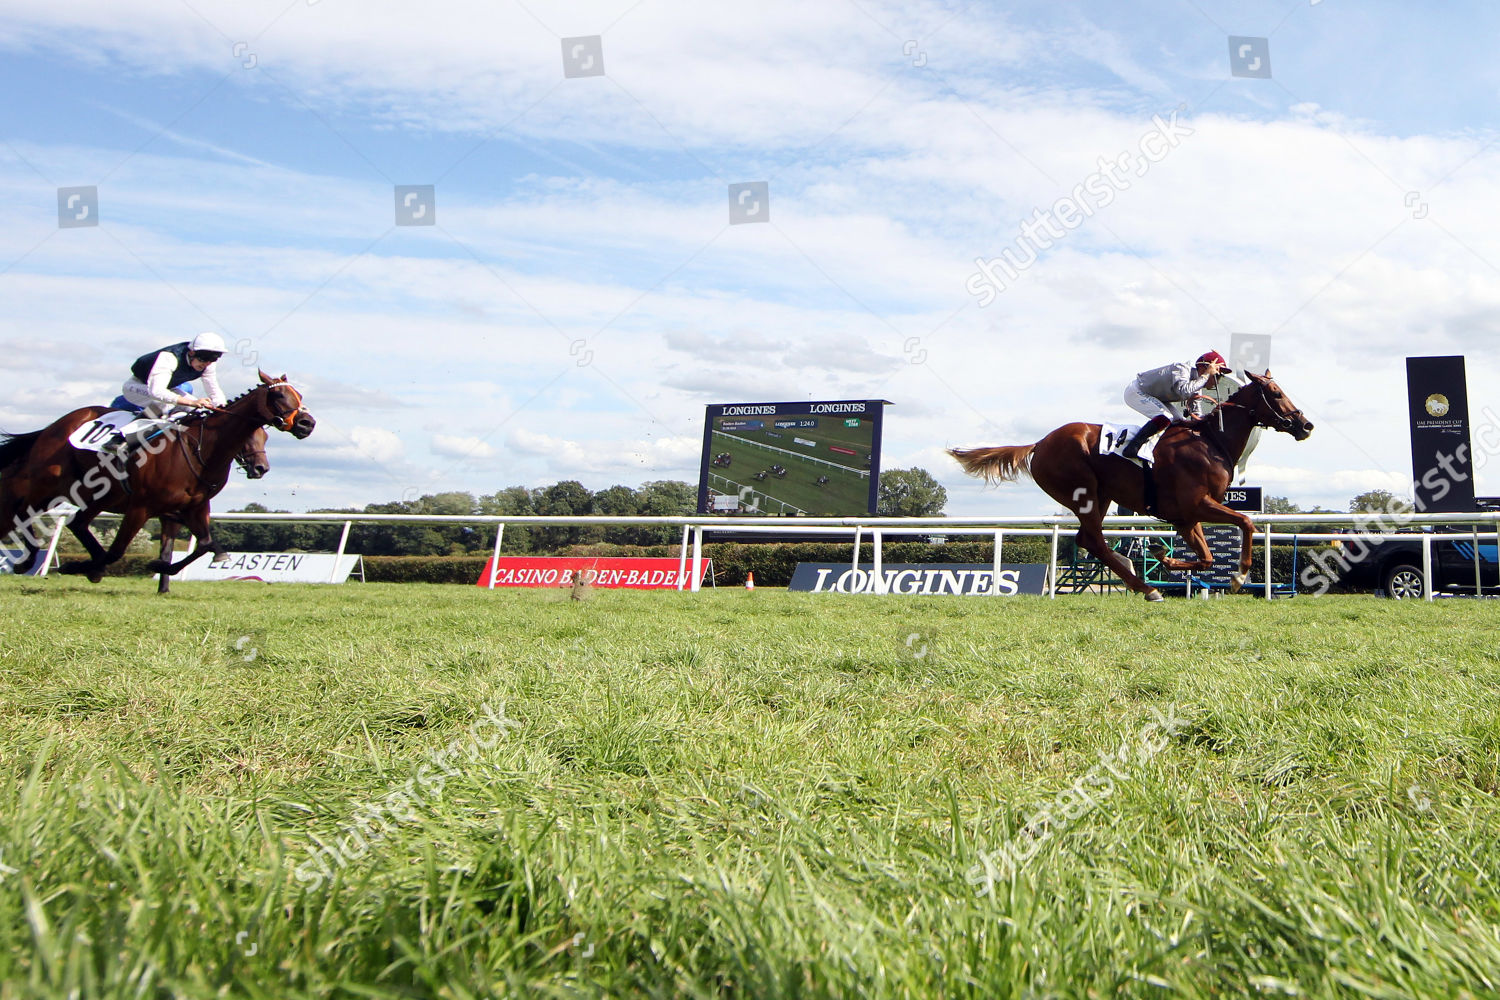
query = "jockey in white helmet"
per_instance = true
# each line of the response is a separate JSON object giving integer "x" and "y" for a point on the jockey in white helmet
{"x": 158, "y": 378}
{"x": 1159, "y": 392}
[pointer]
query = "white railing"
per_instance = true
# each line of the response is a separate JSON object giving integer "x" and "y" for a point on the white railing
{"x": 695, "y": 526}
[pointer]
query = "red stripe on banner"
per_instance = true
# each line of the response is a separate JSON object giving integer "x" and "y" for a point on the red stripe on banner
{"x": 842, "y": 451}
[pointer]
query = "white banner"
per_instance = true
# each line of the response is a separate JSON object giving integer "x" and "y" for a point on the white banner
{"x": 275, "y": 567}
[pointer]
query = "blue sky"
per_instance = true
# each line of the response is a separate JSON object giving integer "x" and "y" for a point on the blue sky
{"x": 585, "y": 219}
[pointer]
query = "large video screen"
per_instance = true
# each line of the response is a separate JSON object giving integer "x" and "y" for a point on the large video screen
{"x": 791, "y": 458}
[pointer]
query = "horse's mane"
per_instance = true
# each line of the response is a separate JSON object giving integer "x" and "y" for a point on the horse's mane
{"x": 253, "y": 388}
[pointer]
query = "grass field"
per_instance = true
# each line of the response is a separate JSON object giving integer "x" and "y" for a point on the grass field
{"x": 742, "y": 794}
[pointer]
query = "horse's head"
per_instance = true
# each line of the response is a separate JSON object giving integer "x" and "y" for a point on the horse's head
{"x": 1271, "y": 408}
{"x": 252, "y": 458}
{"x": 280, "y": 405}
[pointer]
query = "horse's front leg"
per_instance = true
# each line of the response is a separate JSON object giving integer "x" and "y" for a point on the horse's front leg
{"x": 1211, "y": 512}
{"x": 169, "y": 529}
{"x": 1194, "y": 534}
{"x": 197, "y": 522}
{"x": 1216, "y": 513}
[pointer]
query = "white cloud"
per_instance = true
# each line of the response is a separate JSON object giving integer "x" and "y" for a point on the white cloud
{"x": 450, "y": 446}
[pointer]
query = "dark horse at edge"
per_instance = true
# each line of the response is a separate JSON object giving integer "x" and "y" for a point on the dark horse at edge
{"x": 1193, "y": 466}
{"x": 173, "y": 480}
{"x": 252, "y": 459}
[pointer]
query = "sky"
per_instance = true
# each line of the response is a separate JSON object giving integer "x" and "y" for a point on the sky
{"x": 576, "y": 293}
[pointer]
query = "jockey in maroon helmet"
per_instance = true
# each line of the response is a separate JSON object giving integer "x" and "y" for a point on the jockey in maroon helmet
{"x": 1160, "y": 392}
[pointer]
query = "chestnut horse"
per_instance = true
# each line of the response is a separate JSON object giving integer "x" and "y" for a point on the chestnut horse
{"x": 1194, "y": 462}
{"x": 173, "y": 476}
{"x": 252, "y": 458}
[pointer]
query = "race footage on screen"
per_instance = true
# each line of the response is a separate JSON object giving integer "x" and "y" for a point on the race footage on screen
{"x": 791, "y": 458}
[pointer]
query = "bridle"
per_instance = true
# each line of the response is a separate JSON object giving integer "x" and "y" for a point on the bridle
{"x": 1274, "y": 421}
{"x": 290, "y": 420}
{"x": 285, "y": 423}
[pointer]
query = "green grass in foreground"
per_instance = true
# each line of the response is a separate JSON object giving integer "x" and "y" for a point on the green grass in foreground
{"x": 737, "y": 794}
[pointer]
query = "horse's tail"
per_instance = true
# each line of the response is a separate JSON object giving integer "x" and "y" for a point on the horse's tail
{"x": 1001, "y": 465}
{"x": 15, "y": 447}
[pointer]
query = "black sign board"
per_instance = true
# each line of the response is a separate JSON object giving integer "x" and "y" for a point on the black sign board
{"x": 1442, "y": 469}
{"x": 1246, "y": 498}
{"x": 1224, "y": 541}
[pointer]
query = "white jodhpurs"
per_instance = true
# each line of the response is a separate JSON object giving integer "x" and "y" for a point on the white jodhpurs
{"x": 1149, "y": 406}
{"x": 137, "y": 393}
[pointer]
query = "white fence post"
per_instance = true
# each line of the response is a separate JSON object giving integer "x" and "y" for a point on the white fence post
{"x": 995, "y": 562}
{"x": 1478, "y": 578}
{"x": 339, "y": 555}
{"x": 877, "y": 586}
{"x": 1426, "y": 567}
{"x": 62, "y": 520}
{"x": 697, "y": 557}
{"x": 1267, "y": 531}
{"x": 495, "y": 556}
{"x": 1052, "y": 589}
{"x": 682, "y": 559}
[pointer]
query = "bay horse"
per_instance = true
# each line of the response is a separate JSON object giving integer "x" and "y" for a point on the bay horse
{"x": 252, "y": 459}
{"x": 174, "y": 475}
{"x": 1193, "y": 464}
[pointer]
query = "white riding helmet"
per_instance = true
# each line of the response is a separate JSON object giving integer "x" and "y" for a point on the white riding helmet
{"x": 208, "y": 342}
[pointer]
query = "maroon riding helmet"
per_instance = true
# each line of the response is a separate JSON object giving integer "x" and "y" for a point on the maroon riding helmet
{"x": 1214, "y": 356}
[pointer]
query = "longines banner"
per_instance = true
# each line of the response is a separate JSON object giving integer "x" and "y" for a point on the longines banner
{"x": 947, "y": 579}
{"x": 1442, "y": 468}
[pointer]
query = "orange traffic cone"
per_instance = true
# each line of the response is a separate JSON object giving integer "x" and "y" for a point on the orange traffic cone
{"x": 750, "y": 581}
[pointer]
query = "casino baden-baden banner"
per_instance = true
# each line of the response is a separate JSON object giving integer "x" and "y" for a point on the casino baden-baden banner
{"x": 1442, "y": 469}
{"x": 945, "y": 579}
{"x": 275, "y": 567}
{"x": 557, "y": 571}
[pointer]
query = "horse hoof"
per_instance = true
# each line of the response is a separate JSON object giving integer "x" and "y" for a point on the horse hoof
{"x": 1153, "y": 595}
{"x": 96, "y": 577}
{"x": 1236, "y": 581}
{"x": 1158, "y": 552}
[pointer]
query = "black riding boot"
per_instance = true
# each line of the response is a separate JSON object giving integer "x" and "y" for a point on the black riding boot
{"x": 1153, "y": 427}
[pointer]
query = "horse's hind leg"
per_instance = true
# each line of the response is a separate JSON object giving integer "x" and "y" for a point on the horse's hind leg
{"x": 130, "y": 524}
{"x": 1091, "y": 537}
{"x": 78, "y": 524}
{"x": 1077, "y": 486}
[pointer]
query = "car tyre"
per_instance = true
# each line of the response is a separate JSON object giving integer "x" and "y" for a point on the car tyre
{"x": 1403, "y": 582}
